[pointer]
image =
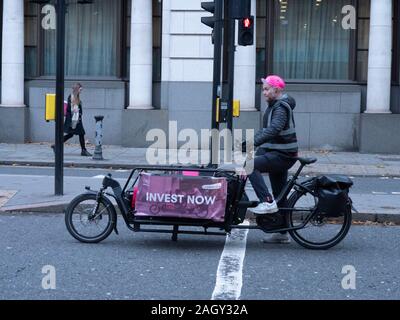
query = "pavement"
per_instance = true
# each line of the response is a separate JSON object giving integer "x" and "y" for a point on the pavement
{"x": 36, "y": 194}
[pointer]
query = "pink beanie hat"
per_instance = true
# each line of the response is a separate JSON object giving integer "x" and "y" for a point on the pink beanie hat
{"x": 274, "y": 81}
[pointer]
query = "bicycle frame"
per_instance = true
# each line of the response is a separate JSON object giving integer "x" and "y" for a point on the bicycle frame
{"x": 135, "y": 223}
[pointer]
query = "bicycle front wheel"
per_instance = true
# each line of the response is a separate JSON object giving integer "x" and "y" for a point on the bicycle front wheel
{"x": 321, "y": 231}
{"x": 89, "y": 220}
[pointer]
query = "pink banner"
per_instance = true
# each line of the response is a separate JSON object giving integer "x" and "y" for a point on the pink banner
{"x": 181, "y": 197}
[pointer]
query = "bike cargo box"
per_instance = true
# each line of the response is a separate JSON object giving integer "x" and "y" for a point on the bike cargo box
{"x": 181, "y": 196}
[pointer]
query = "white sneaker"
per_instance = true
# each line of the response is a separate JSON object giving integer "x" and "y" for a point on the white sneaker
{"x": 277, "y": 238}
{"x": 265, "y": 208}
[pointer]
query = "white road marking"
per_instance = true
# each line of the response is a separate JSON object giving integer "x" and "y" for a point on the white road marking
{"x": 384, "y": 178}
{"x": 23, "y": 175}
{"x": 6, "y": 195}
{"x": 396, "y": 193}
{"x": 379, "y": 193}
{"x": 229, "y": 279}
{"x": 98, "y": 177}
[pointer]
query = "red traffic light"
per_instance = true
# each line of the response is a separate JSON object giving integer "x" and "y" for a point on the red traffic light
{"x": 246, "y": 22}
{"x": 246, "y": 31}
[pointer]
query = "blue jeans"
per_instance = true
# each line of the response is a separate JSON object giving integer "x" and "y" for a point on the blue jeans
{"x": 276, "y": 165}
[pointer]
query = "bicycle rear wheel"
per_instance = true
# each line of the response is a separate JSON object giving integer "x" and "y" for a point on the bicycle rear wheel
{"x": 90, "y": 221}
{"x": 321, "y": 232}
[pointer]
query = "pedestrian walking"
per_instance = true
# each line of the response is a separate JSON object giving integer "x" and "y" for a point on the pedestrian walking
{"x": 73, "y": 124}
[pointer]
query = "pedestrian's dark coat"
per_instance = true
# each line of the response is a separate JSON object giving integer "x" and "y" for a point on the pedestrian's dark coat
{"x": 278, "y": 132}
{"x": 68, "y": 120}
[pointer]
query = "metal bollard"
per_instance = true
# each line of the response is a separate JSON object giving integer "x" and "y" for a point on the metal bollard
{"x": 98, "y": 152}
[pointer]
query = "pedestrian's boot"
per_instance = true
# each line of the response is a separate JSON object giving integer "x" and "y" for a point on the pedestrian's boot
{"x": 85, "y": 153}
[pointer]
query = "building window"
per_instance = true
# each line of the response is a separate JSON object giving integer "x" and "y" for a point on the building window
{"x": 309, "y": 41}
{"x": 363, "y": 20}
{"x": 31, "y": 39}
{"x": 1, "y": 33}
{"x": 97, "y": 40}
{"x": 91, "y": 40}
{"x": 157, "y": 30}
{"x": 304, "y": 39}
{"x": 396, "y": 43}
{"x": 261, "y": 21}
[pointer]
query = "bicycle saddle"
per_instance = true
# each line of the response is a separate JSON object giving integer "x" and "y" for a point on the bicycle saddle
{"x": 305, "y": 161}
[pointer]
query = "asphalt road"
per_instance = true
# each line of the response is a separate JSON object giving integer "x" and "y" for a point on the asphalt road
{"x": 151, "y": 266}
{"x": 362, "y": 185}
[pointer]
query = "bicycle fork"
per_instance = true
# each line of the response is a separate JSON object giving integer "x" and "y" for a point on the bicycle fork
{"x": 117, "y": 195}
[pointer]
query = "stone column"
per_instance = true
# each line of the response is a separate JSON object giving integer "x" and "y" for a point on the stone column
{"x": 12, "y": 82}
{"x": 245, "y": 71}
{"x": 380, "y": 57}
{"x": 141, "y": 58}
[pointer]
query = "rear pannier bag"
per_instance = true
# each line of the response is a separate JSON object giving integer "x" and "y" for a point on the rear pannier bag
{"x": 333, "y": 195}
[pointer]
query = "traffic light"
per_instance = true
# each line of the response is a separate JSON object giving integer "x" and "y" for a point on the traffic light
{"x": 209, "y": 21}
{"x": 240, "y": 9}
{"x": 246, "y": 31}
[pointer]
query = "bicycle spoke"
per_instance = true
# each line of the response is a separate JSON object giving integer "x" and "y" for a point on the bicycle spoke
{"x": 90, "y": 227}
{"x": 99, "y": 213}
{"x": 320, "y": 231}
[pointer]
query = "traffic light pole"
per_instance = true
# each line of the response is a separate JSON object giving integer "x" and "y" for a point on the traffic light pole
{"x": 231, "y": 65}
{"x": 224, "y": 19}
{"x": 218, "y": 14}
{"x": 59, "y": 139}
{"x": 229, "y": 70}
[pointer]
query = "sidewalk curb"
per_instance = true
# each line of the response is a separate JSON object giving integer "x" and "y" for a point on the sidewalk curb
{"x": 60, "y": 207}
{"x": 95, "y": 165}
{"x": 355, "y": 170}
{"x": 44, "y": 207}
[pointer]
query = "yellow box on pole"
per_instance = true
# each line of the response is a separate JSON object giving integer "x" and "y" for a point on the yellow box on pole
{"x": 217, "y": 111}
{"x": 236, "y": 108}
{"x": 50, "y": 108}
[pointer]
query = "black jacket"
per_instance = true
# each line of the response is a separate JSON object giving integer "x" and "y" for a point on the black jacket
{"x": 272, "y": 136}
{"x": 79, "y": 130}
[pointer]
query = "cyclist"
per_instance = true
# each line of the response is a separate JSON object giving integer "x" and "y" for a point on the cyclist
{"x": 277, "y": 149}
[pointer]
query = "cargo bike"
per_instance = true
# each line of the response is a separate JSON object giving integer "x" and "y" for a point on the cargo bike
{"x": 316, "y": 212}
